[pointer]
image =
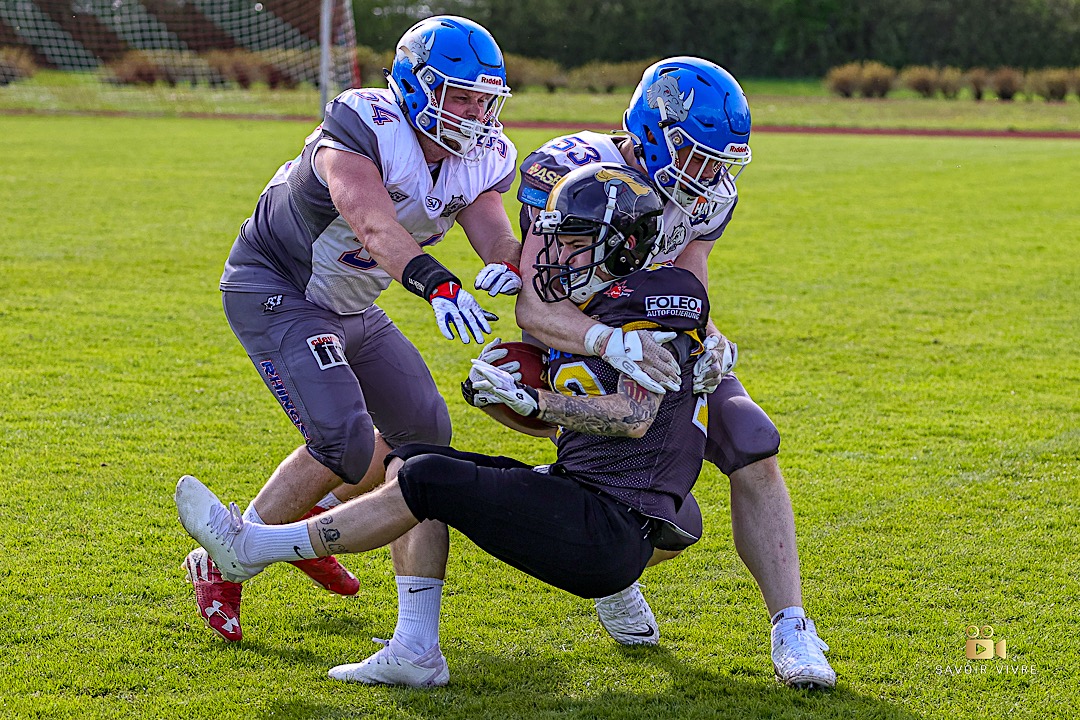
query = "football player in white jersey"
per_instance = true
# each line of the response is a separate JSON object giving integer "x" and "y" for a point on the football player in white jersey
{"x": 387, "y": 173}
{"x": 688, "y": 128}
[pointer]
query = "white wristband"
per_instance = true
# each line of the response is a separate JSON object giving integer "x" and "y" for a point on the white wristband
{"x": 596, "y": 336}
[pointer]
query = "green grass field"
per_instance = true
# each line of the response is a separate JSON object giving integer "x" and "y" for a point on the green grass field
{"x": 907, "y": 310}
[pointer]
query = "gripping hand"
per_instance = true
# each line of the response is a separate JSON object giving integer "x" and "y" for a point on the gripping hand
{"x": 501, "y": 386}
{"x": 457, "y": 310}
{"x": 498, "y": 278}
{"x": 490, "y": 355}
{"x": 638, "y": 355}
{"x": 716, "y": 361}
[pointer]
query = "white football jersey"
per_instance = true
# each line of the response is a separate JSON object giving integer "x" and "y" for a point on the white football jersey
{"x": 296, "y": 237}
{"x": 543, "y": 168}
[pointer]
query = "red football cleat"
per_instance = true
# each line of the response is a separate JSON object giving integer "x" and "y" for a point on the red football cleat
{"x": 217, "y": 598}
{"x": 327, "y": 572}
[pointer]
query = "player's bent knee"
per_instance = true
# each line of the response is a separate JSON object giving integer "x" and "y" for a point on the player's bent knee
{"x": 668, "y": 542}
{"x": 420, "y": 477}
{"x": 752, "y": 434}
{"x": 350, "y": 456}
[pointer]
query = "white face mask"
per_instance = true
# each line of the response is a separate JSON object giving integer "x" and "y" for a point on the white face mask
{"x": 466, "y": 138}
{"x": 709, "y": 188}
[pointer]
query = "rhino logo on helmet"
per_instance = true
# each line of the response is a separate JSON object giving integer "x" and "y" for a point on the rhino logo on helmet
{"x": 417, "y": 48}
{"x": 664, "y": 95}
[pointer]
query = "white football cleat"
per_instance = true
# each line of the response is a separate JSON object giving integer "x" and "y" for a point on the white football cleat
{"x": 387, "y": 667}
{"x": 798, "y": 655}
{"x": 628, "y": 618}
{"x": 216, "y": 527}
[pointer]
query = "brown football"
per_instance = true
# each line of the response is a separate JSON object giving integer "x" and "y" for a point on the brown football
{"x": 532, "y": 360}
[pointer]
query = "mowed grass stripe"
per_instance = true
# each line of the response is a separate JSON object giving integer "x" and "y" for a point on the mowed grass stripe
{"x": 906, "y": 310}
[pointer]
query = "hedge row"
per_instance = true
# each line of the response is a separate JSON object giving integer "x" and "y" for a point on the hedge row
{"x": 875, "y": 80}
{"x": 289, "y": 68}
{"x": 241, "y": 68}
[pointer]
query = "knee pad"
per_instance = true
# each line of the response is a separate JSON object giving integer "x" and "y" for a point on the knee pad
{"x": 350, "y": 454}
{"x": 419, "y": 479}
{"x": 688, "y": 518}
{"x": 740, "y": 434}
{"x": 754, "y": 434}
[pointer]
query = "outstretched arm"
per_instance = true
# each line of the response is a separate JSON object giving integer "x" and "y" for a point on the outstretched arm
{"x": 488, "y": 228}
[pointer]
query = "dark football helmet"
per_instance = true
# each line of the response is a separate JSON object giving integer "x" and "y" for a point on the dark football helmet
{"x": 615, "y": 207}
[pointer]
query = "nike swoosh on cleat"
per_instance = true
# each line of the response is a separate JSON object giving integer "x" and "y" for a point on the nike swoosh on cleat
{"x": 647, "y": 633}
{"x": 416, "y": 590}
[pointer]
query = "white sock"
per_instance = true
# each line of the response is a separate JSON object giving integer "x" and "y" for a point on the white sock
{"x": 252, "y": 515}
{"x": 419, "y": 602}
{"x": 787, "y": 613}
{"x": 265, "y": 544}
{"x": 329, "y": 502}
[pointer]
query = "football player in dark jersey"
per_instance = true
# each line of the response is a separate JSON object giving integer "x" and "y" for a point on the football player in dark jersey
{"x": 615, "y": 499}
{"x": 687, "y": 127}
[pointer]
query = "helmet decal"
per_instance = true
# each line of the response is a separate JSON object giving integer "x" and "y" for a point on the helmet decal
{"x": 664, "y": 96}
{"x": 613, "y": 174}
{"x": 418, "y": 47}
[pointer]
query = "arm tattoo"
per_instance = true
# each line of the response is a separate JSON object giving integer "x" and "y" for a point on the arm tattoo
{"x": 630, "y": 410}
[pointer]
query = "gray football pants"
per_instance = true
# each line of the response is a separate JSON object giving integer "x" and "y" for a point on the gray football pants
{"x": 337, "y": 377}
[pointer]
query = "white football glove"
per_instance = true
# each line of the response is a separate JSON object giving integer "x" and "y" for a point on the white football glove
{"x": 522, "y": 399}
{"x": 456, "y": 309}
{"x": 499, "y": 278}
{"x": 492, "y": 356}
{"x": 637, "y": 354}
{"x": 716, "y": 361}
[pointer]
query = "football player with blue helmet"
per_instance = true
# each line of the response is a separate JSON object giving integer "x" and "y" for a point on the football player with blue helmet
{"x": 687, "y": 128}
{"x": 387, "y": 174}
{"x": 690, "y": 125}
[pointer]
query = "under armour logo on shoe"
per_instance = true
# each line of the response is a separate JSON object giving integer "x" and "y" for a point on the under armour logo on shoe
{"x": 215, "y": 609}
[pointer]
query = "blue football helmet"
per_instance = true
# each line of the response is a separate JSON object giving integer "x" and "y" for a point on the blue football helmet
{"x": 444, "y": 52}
{"x": 691, "y": 105}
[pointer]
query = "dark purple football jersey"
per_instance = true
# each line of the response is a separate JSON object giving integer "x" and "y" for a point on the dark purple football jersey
{"x": 654, "y": 473}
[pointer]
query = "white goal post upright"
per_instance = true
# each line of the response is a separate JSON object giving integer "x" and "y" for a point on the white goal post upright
{"x": 326, "y": 40}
